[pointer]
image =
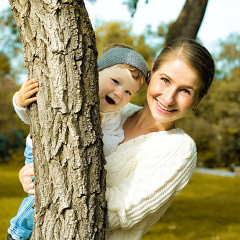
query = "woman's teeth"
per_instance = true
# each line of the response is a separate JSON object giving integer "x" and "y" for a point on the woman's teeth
{"x": 162, "y": 107}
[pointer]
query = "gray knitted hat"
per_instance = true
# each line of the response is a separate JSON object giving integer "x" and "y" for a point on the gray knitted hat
{"x": 123, "y": 56}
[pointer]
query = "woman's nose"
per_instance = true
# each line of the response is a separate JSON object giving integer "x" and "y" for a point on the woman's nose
{"x": 170, "y": 96}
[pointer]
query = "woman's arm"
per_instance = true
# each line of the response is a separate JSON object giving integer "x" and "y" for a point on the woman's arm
{"x": 25, "y": 175}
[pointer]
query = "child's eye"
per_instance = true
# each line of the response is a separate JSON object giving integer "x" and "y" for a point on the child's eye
{"x": 127, "y": 92}
{"x": 115, "y": 81}
{"x": 186, "y": 91}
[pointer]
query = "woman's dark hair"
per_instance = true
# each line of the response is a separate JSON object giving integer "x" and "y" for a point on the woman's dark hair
{"x": 193, "y": 54}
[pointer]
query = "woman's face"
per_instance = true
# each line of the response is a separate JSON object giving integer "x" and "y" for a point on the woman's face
{"x": 173, "y": 91}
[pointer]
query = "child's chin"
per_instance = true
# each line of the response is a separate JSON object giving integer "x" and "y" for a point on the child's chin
{"x": 108, "y": 109}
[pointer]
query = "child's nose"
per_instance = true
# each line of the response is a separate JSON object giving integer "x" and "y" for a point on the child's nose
{"x": 119, "y": 93}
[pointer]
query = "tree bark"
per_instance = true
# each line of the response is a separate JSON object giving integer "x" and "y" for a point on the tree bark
{"x": 60, "y": 52}
{"x": 189, "y": 20}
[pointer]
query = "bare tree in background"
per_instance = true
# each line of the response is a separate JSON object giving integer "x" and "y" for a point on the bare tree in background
{"x": 60, "y": 52}
{"x": 188, "y": 21}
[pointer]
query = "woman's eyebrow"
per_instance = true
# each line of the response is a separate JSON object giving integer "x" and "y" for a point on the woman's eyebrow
{"x": 189, "y": 87}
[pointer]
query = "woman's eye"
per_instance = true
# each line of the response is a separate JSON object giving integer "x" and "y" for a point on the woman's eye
{"x": 165, "y": 80}
{"x": 115, "y": 81}
{"x": 127, "y": 92}
{"x": 186, "y": 91}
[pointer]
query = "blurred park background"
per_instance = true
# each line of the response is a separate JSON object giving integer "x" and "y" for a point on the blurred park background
{"x": 209, "y": 206}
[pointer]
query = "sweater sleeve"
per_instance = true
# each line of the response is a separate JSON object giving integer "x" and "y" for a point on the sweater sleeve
{"x": 113, "y": 133}
{"x": 21, "y": 112}
{"x": 152, "y": 184}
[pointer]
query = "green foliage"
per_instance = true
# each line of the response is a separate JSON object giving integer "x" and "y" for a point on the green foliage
{"x": 228, "y": 56}
{"x": 12, "y": 130}
{"x": 10, "y": 36}
{"x": 119, "y": 32}
{"x": 205, "y": 137}
{"x": 156, "y": 39}
{"x": 4, "y": 65}
{"x": 10, "y": 42}
{"x": 132, "y": 6}
{"x": 140, "y": 97}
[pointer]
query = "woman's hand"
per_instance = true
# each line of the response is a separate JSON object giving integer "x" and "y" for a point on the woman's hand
{"x": 26, "y": 175}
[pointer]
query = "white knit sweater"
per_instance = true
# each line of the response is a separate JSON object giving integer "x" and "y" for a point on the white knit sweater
{"x": 113, "y": 133}
{"x": 144, "y": 175}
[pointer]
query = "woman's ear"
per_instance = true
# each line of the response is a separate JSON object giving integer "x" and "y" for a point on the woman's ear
{"x": 195, "y": 105}
{"x": 148, "y": 78}
{"x": 199, "y": 100}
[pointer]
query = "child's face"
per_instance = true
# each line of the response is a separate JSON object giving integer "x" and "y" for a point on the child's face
{"x": 116, "y": 88}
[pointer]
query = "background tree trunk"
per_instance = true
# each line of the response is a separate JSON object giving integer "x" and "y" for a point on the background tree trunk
{"x": 189, "y": 20}
{"x": 60, "y": 52}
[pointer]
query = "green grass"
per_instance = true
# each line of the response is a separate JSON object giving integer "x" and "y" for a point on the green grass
{"x": 11, "y": 196}
{"x": 207, "y": 209}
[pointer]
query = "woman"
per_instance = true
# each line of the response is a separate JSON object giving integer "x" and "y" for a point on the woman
{"x": 156, "y": 160}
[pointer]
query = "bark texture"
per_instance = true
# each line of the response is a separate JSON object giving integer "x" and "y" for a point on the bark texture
{"x": 189, "y": 20}
{"x": 60, "y": 52}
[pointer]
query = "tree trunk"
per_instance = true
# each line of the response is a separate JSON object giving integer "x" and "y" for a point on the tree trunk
{"x": 60, "y": 52}
{"x": 189, "y": 20}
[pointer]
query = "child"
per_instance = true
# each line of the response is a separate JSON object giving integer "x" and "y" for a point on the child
{"x": 122, "y": 72}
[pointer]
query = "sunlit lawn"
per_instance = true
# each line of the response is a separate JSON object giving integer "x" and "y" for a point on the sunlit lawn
{"x": 207, "y": 209}
{"x": 11, "y": 195}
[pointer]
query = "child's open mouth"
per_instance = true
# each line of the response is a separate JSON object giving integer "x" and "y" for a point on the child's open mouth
{"x": 109, "y": 100}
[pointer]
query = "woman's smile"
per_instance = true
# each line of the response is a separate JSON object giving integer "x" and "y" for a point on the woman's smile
{"x": 163, "y": 108}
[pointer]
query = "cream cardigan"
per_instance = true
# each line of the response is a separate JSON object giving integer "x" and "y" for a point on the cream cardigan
{"x": 144, "y": 175}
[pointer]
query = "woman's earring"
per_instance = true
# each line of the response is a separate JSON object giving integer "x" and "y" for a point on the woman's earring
{"x": 194, "y": 109}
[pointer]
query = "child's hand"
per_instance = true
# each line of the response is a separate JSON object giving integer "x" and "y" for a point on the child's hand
{"x": 25, "y": 177}
{"x": 23, "y": 97}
